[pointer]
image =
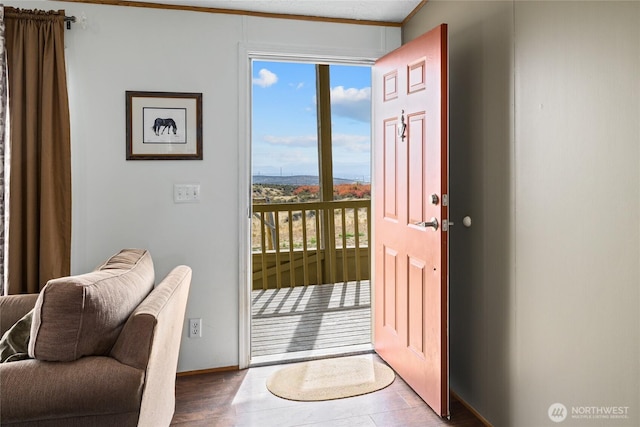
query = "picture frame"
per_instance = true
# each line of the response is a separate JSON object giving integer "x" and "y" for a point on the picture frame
{"x": 164, "y": 125}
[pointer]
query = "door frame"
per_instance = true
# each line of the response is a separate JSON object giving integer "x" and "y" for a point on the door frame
{"x": 268, "y": 52}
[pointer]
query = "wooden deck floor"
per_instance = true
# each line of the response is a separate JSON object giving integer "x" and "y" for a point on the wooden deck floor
{"x": 310, "y": 318}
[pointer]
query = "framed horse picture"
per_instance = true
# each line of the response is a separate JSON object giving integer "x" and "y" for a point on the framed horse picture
{"x": 164, "y": 126}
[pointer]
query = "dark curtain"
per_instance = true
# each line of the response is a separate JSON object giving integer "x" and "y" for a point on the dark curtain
{"x": 3, "y": 106}
{"x": 39, "y": 240}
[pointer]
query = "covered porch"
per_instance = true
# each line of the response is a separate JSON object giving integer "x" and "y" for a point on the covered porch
{"x": 311, "y": 291}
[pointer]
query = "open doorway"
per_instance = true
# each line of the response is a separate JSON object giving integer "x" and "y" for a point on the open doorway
{"x": 311, "y": 210}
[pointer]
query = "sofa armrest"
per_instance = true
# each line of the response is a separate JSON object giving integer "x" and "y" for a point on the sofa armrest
{"x": 167, "y": 301}
{"x": 150, "y": 340}
{"x": 13, "y": 307}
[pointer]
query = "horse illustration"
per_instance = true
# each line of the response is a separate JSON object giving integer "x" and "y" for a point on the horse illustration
{"x": 160, "y": 125}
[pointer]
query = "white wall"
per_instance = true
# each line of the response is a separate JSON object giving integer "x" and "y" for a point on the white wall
{"x": 119, "y": 203}
{"x": 545, "y": 156}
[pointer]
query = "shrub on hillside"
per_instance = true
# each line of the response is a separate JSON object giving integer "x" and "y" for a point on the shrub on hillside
{"x": 355, "y": 191}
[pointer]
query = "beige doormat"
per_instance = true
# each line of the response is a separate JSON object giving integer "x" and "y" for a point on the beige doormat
{"x": 328, "y": 379}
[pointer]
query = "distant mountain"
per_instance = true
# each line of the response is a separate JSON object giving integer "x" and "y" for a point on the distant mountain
{"x": 296, "y": 180}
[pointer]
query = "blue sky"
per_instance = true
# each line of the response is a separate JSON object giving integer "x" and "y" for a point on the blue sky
{"x": 284, "y": 122}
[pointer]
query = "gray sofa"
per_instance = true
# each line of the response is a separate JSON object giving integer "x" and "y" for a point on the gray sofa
{"x": 103, "y": 346}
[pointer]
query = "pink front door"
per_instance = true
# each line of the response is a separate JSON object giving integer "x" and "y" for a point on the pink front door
{"x": 411, "y": 219}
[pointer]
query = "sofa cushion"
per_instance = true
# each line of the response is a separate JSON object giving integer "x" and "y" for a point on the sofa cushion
{"x": 82, "y": 315}
{"x": 52, "y": 393}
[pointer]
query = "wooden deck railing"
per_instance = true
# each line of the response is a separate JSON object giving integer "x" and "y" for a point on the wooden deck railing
{"x": 298, "y": 244}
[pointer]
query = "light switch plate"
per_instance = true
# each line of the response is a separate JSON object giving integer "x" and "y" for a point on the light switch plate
{"x": 186, "y": 193}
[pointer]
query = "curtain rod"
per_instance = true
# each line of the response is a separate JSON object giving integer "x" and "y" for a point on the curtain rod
{"x": 69, "y": 20}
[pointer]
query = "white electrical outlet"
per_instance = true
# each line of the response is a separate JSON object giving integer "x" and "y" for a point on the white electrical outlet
{"x": 195, "y": 328}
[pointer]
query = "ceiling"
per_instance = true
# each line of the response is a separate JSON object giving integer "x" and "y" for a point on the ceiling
{"x": 387, "y": 11}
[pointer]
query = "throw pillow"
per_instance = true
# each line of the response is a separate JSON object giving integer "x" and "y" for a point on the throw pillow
{"x": 14, "y": 344}
{"x": 82, "y": 315}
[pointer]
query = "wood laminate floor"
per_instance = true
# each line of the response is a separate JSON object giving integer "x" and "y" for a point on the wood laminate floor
{"x": 241, "y": 398}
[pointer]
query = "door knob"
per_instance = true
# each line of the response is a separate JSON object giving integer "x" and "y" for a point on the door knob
{"x": 433, "y": 223}
{"x": 466, "y": 221}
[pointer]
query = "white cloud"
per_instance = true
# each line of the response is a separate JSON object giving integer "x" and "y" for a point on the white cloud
{"x": 352, "y": 143}
{"x": 297, "y": 86}
{"x": 292, "y": 141}
{"x": 298, "y": 158}
{"x": 266, "y": 78}
{"x": 347, "y": 142}
{"x": 351, "y": 103}
{"x": 340, "y": 95}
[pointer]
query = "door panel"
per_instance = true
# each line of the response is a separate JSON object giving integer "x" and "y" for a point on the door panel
{"x": 416, "y": 169}
{"x": 390, "y": 291}
{"x": 416, "y": 305}
{"x": 411, "y": 165}
{"x": 417, "y": 74}
{"x": 390, "y": 176}
{"x": 390, "y": 89}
